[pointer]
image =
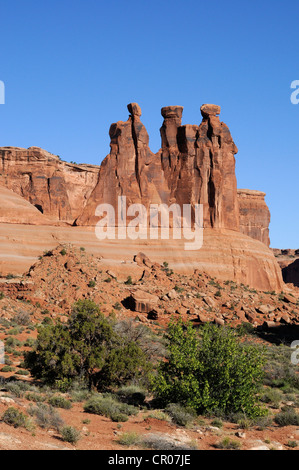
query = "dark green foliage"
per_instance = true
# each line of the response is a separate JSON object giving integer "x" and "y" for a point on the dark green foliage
{"x": 58, "y": 401}
{"x": 122, "y": 365}
{"x": 70, "y": 434}
{"x": 132, "y": 394}
{"x": 214, "y": 372}
{"x": 15, "y": 418}
{"x": 86, "y": 348}
{"x": 129, "y": 281}
{"x": 75, "y": 349}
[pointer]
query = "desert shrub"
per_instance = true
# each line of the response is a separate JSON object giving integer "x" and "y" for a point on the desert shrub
{"x": 8, "y": 369}
{"x": 129, "y": 281}
{"x": 292, "y": 444}
{"x": 22, "y": 318}
{"x": 13, "y": 342}
{"x": 287, "y": 418}
{"x": 58, "y": 401}
{"x": 109, "y": 407}
{"x": 217, "y": 422}
{"x": 35, "y": 397}
{"x": 63, "y": 252}
{"x": 14, "y": 331}
{"x": 272, "y": 397}
{"x": 159, "y": 414}
{"x": 180, "y": 415}
{"x": 129, "y": 439}
{"x": 30, "y": 343}
{"x": 228, "y": 444}
{"x": 212, "y": 372}
{"x": 245, "y": 328}
{"x": 279, "y": 371}
{"x": 15, "y": 418}
{"x": 18, "y": 388}
{"x": 70, "y": 434}
{"x": 92, "y": 283}
{"x": 22, "y": 372}
{"x": 46, "y": 416}
{"x": 117, "y": 306}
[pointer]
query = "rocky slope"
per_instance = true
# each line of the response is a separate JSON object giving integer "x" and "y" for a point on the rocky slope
{"x": 154, "y": 294}
{"x": 154, "y": 291}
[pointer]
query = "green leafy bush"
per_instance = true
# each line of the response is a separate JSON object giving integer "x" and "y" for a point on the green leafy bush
{"x": 214, "y": 372}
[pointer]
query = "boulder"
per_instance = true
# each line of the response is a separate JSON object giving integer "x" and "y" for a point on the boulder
{"x": 143, "y": 302}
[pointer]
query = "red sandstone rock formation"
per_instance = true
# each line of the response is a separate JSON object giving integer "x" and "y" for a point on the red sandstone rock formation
{"x": 14, "y": 209}
{"x": 254, "y": 215}
{"x": 56, "y": 188}
{"x": 195, "y": 164}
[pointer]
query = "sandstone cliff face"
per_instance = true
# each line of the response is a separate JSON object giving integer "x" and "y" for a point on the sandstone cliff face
{"x": 57, "y": 189}
{"x": 254, "y": 215}
{"x": 14, "y": 209}
{"x": 195, "y": 165}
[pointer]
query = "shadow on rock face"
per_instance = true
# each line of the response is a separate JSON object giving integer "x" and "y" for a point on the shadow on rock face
{"x": 290, "y": 273}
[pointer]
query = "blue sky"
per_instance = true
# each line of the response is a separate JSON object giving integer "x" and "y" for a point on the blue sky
{"x": 70, "y": 68}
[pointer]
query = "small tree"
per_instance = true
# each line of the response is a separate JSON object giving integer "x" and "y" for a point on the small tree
{"x": 211, "y": 373}
{"x": 76, "y": 349}
{"x": 85, "y": 348}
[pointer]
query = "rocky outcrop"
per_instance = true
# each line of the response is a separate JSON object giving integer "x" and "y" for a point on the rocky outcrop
{"x": 254, "y": 215}
{"x": 196, "y": 164}
{"x": 290, "y": 273}
{"x": 14, "y": 209}
{"x": 288, "y": 260}
{"x": 57, "y": 189}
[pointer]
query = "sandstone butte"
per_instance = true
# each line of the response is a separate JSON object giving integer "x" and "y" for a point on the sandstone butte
{"x": 196, "y": 164}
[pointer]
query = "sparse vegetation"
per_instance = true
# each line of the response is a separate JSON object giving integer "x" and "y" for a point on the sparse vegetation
{"x": 70, "y": 434}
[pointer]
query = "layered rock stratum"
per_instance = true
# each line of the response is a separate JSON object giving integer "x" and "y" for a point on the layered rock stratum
{"x": 195, "y": 165}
